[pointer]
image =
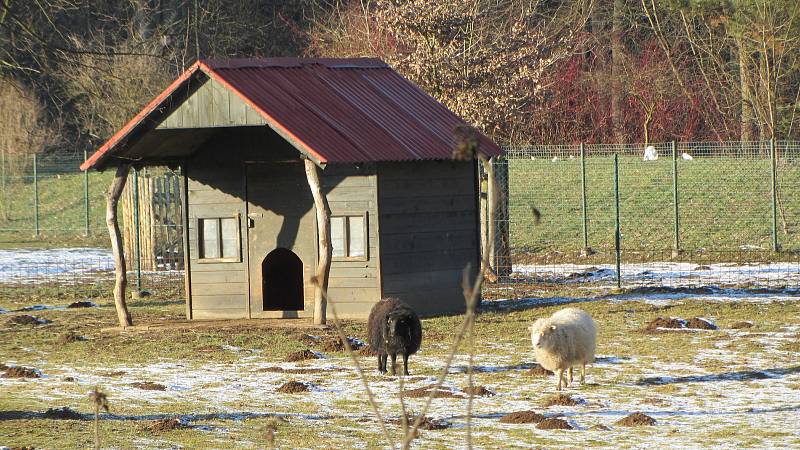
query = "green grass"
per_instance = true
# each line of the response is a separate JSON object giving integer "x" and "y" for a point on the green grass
{"x": 724, "y": 203}
{"x": 62, "y": 211}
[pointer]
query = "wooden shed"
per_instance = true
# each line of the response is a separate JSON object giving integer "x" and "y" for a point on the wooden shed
{"x": 404, "y": 215}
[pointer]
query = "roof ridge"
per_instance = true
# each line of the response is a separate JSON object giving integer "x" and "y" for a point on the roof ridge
{"x": 284, "y": 62}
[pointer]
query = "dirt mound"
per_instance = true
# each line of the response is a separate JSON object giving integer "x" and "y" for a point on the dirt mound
{"x": 64, "y": 413}
{"x": 599, "y": 427}
{"x": 335, "y": 344}
{"x": 636, "y": 419}
{"x": 81, "y": 304}
{"x": 3, "y": 366}
{"x": 68, "y": 379}
{"x": 113, "y": 373}
{"x": 293, "y": 387}
{"x": 292, "y": 370}
{"x": 702, "y": 268}
{"x": 426, "y": 424}
{"x": 698, "y": 323}
{"x": 660, "y": 323}
{"x": 560, "y": 400}
{"x": 742, "y": 324}
{"x": 24, "y": 447}
{"x": 162, "y": 425}
{"x": 554, "y": 423}
{"x": 522, "y": 417}
{"x": 21, "y": 372}
{"x": 149, "y": 386}
{"x": 538, "y": 371}
{"x": 477, "y": 391}
{"x": 426, "y": 391}
{"x": 302, "y": 355}
{"x": 70, "y": 337}
{"x": 26, "y": 319}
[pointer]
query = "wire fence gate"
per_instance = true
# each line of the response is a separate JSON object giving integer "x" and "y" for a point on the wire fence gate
{"x": 669, "y": 215}
{"x": 677, "y": 215}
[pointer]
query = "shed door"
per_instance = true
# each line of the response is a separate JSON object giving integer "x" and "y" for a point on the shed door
{"x": 281, "y": 229}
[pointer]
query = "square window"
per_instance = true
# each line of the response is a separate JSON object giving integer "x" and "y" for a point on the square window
{"x": 218, "y": 239}
{"x": 349, "y": 237}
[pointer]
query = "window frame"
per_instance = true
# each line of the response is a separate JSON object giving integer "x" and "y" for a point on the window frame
{"x": 346, "y": 231}
{"x": 238, "y": 239}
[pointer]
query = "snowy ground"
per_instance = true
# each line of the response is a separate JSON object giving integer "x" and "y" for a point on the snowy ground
{"x": 724, "y": 396}
{"x": 668, "y": 274}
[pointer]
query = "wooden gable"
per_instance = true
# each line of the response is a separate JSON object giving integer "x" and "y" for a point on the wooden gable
{"x": 212, "y": 105}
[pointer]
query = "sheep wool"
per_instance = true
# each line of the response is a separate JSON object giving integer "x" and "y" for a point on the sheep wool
{"x": 393, "y": 328}
{"x": 563, "y": 340}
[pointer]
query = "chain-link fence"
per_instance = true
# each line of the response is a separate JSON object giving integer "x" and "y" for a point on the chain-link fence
{"x": 688, "y": 214}
{"x": 53, "y": 230}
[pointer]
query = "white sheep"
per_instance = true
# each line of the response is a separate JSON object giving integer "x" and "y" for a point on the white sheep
{"x": 565, "y": 339}
{"x": 650, "y": 153}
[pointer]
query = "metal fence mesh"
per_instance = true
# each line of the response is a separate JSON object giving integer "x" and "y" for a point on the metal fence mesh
{"x": 730, "y": 213}
{"x": 702, "y": 217}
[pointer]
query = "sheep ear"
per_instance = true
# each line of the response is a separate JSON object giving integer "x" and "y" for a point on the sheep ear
{"x": 552, "y": 327}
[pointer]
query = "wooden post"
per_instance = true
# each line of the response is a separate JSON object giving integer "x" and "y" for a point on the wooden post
{"x": 114, "y": 192}
{"x": 325, "y": 250}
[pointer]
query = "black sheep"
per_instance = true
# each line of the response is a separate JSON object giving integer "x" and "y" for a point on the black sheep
{"x": 393, "y": 328}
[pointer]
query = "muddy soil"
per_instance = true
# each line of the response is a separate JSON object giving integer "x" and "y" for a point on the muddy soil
{"x": 560, "y": 400}
{"x": 636, "y": 419}
{"x": 426, "y": 424}
{"x": 742, "y": 324}
{"x": 697, "y": 323}
{"x": 554, "y": 423}
{"x": 162, "y": 425}
{"x": 21, "y": 372}
{"x": 293, "y": 387}
{"x": 149, "y": 386}
{"x": 64, "y": 413}
{"x": 426, "y": 391}
{"x": 70, "y": 337}
{"x": 301, "y": 355}
{"x": 538, "y": 371}
{"x": 26, "y": 319}
{"x": 522, "y": 417}
{"x": 477, "y": 391}
{"x": 81, "y": 304}
{"x": 366, "y": 350}
{"x": 660, "y": 323}
{"x": 300, "y": 370}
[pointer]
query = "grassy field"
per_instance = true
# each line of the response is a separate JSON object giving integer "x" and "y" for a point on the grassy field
{"x": 62, "y": 212}
{"x": 722, "y": 388}
{"x": 724, "y": 205}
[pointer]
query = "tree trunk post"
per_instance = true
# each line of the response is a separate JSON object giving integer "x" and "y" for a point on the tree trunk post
{"x": 325, "y": 251}
{"x": 120, "y": 270}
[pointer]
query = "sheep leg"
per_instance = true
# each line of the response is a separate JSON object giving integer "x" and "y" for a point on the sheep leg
{"x": 394, "y": 363}
{"x": 405, "y": 364}
{"x": 382, "y": 362}
{"x": 560, "y": 378}
{"x": 570, "y": 376}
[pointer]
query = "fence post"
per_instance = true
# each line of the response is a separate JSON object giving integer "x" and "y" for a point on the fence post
{"x": 676, "y": 244}
{"x": 86, "y": 196}
{"x": 136, "y": 230}
{"x": 616, "y": 221}
{"x": 774, "y": 177}
{"x": 586, "y": 251}
{"x": 35, "y": 195}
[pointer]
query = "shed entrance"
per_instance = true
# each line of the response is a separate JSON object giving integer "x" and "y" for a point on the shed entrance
{"x": 281, "y": 240}
{"x": 282, "y": 281}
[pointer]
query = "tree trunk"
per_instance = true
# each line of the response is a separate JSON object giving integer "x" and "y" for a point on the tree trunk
{"x": 120, "y": 269}
{"x": 325, "y": 250}
{"x": 747, "y": 117}
{"x": 617, "y": 58}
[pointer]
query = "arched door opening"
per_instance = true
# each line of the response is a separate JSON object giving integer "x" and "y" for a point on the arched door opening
{"x": 282, "y": 281}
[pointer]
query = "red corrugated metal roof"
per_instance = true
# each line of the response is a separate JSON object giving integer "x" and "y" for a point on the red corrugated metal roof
{"x": 334, "y": 110}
